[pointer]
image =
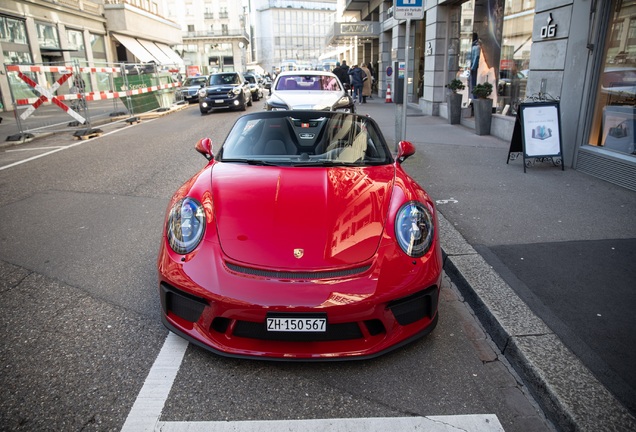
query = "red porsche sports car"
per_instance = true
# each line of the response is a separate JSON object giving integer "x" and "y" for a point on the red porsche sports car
{"x": 302, "y": 239}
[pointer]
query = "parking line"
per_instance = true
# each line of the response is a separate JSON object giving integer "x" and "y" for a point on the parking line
{"x": 474, "y": 423}
{"x": 145, "y": 413}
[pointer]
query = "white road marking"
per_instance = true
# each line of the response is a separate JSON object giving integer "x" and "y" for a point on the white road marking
{"x": 147, "y": 408}
{"x": 146, "y": 411}
{"x": 33, "y": 149}
{"x": 57, "y": 149}
{"x": 464, "y": 423}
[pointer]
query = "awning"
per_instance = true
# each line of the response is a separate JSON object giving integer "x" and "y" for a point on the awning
{"x": 156, "y": 52}
{"x": 132, "y": 45}
{"x": 176, "y": 59}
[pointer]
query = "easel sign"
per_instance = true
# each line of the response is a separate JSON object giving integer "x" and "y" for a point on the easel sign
{"x": 541, "y": 132}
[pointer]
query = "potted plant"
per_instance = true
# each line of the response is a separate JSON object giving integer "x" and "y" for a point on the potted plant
{"x": 455, "y": 101}
{"x": 483, "y": 108}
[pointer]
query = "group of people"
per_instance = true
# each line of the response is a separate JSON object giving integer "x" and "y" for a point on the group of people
{"x": 358, "y": 79}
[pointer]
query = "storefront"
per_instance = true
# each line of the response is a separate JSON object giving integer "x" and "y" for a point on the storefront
{"x": 578, "y": 52}
{"x": 608, "y": 149}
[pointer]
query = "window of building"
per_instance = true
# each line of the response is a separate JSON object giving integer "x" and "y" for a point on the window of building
{"x": 98, "y": 47}
{"x": 76, "y": 44}
{"x": 501, "y": 53}
{"x": 12, "y": 31}
{"x": 14, "y": 41}
{"x": 615, "y": 111}
{"x": 47, "y": 36}
{"x": 190, "y": 28}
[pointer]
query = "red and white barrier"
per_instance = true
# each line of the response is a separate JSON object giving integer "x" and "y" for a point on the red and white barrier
{"x": 67, "y": 71}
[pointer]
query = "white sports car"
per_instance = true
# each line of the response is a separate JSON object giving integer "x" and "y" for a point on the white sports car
{"x": 313, "y": 90}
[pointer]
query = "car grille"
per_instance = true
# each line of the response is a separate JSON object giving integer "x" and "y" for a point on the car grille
{"x": 413, "y": 308}
{"x": 297, "y": 275}
{"x": 182, "y": 304}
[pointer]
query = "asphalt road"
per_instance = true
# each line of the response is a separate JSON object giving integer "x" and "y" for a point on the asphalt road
{"x": 79, "y": 309}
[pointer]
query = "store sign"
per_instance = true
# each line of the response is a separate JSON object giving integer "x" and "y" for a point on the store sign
{"x": 549, "y": 31}
{"x": 362, "y": 29}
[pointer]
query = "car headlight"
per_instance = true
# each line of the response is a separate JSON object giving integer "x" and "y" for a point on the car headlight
{"x": 414, "y": 228}
{"x": 186, "y": 225}
{"x": 237, "y": 90}
{"x": 203, "y": 93}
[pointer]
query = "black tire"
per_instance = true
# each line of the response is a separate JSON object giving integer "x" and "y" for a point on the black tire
{"x": 203, "y": 112}
{"x": 249, "y": 102}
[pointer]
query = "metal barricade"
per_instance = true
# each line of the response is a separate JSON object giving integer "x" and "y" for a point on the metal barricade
{"x": 75, "y": 97}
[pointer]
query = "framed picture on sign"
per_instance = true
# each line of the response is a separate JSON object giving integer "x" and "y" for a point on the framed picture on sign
{"x": 541, "y": 131}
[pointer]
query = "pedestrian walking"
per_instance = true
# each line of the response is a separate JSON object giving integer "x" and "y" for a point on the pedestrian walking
{"x": 367, "y": 79}
{"x": 342, "y": 76}
{"x": 357, "y": 82}
{"x": 372, "y": 70}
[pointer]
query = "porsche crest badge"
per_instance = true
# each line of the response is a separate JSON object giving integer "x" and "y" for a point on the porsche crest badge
{"x": 298, "y": 253}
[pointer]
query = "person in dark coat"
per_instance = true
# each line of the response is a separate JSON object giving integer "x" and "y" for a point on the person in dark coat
{"x": 342, "y": 76}
{"x": 357, "y": 81}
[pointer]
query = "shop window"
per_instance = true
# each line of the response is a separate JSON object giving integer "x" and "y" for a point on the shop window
{"x": 615, "y": 110}
{"x": 502, "y": 53}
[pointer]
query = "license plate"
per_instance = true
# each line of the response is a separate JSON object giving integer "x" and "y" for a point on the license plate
{"x": 297, "y": 324}
{"x": 218, "y": 101}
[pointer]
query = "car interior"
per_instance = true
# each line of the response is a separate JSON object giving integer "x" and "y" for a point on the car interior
{"x": 341, "y": 138}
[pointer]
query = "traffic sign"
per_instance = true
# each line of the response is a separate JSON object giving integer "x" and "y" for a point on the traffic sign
{"x": 409, "y": 9}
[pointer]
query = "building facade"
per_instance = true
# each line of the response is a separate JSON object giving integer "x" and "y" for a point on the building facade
{"x": 215, "y": 33}
{"x": 90, "y": 33}
{"x": 290, "y": 34}
{"x": 577, "y": 52}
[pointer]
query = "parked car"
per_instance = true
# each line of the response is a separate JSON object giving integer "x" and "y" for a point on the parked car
{"x": 255, "y": 85}
{"x": 319, "y": 90}
{"x": 225, "y": 90}
{"x": 189, "y": 90}
{"x": 302, "y": 238}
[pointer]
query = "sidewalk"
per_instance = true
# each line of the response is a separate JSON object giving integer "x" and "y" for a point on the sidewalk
{"x": 546, "y": 260}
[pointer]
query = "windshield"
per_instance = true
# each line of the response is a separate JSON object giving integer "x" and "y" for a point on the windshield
{"x": 305, "y": 138}
{"x": 224, "y": 79}
{"x": 308, "y": 82}
{"x": 250, "y": 79}
{"x": 195, "y": 81}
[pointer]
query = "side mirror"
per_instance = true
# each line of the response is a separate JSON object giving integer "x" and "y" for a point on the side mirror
{"x": 405, "y": 149}
{"x": 204, "y": 146}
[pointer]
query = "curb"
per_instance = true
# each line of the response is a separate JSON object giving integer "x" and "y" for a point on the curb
{"x": 572, "y": 398}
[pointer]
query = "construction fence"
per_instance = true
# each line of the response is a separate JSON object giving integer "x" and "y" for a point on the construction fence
{"x": 51, "y": 97}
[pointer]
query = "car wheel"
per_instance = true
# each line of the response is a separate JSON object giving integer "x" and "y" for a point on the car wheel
{"x": 203, "y": 111}
{"x": 249, "y": 102}
{"x": 255, "y": 98}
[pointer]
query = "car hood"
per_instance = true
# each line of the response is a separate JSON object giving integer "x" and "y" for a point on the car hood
{"x": 220, "y": 88}
{"x": 316, "y": 99}
{"x": 333, "y": 217}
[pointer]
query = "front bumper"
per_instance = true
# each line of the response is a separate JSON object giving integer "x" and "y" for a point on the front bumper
{"x": 221, "y": 101}
{"x": 225, "y": 310}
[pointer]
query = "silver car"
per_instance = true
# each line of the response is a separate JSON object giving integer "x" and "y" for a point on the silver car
{"x": 313, "y": 90}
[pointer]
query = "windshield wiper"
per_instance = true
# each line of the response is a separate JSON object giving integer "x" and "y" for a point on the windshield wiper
{"x": 328, "y": 163}
{"x": 250, "y": 162}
